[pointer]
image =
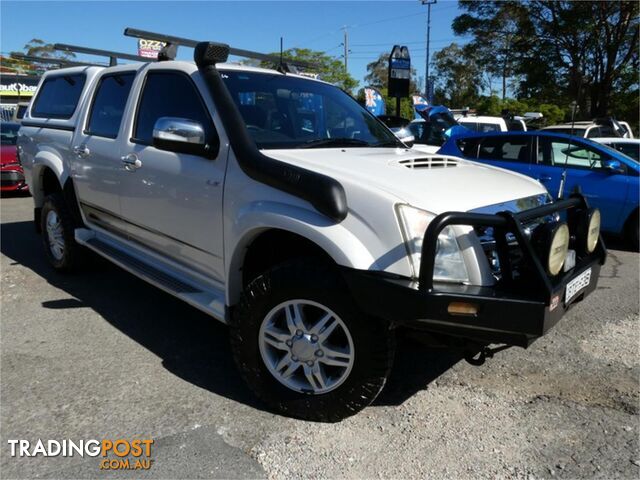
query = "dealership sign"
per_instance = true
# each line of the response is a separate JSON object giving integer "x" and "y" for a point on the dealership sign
{"x": 18, "y": 85}
{"x": 399, "y": 71}
{"x": 149, "y": 48}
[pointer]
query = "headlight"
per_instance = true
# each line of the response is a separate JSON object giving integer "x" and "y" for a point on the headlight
{"x": 552, "y": 243}
{"x": 449, "y": 264}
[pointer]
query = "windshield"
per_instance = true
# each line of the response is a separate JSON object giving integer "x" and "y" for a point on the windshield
{"x": 282, "y": 111}
{"x": 432, "y": 130}
{"x": 631, "y": 150}
{"x": 9, "y": 133}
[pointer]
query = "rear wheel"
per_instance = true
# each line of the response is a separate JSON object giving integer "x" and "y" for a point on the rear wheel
{"x": 303, "y": 346}
{"x": 57, "y": 225}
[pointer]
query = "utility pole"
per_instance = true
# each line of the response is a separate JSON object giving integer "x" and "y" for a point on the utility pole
{"x": 346, "y": 49}
{"x": 427, "y": 81}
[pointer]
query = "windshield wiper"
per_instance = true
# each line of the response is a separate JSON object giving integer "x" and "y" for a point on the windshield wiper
{"x": 389, "y": 143}
{"x": 334, "y": 142}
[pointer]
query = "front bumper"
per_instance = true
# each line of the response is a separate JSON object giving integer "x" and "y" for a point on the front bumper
{"x": 511, "y": 312}
{"x": 12, "y": 179}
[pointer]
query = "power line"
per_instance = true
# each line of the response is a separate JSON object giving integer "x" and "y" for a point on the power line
{"x": 423, "y": 42}
{"x": 375, "y": 22}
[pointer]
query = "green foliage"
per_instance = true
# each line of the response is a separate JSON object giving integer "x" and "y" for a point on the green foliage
{"x": 458, "y": 75}
{"x": 494, "y": 106}
{"x": 330, "y": 69}
{"x": 39, "y": 48}
{"x": 559, "y": 51}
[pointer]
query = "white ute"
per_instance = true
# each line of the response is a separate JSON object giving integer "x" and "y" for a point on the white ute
{"x": 277, "y": 204}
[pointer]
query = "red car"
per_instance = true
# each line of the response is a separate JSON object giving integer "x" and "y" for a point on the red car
{"x": 11, "y": 173}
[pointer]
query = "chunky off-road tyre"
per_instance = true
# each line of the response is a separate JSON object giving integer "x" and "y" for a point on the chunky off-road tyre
{"x": 327, "y": 368}
{"x": 57, "y": 224}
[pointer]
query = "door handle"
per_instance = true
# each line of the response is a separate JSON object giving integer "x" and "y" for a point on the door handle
{"x": 131, "y": 162}
{"x": 81, "y": 150}
{"x": 544, "y": 178}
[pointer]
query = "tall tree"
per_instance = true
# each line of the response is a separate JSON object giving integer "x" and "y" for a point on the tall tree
{"x": 459, "y": 78}
{"x": 563, "y": 50}
{"x": 39, "y": 48}
{"x": 593, "y": 42}
{"x": 497, "y": 27}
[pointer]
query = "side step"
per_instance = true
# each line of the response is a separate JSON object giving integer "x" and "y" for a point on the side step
{"x": 203, "y": 299}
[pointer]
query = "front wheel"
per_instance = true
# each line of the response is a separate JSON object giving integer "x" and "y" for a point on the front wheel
{"x": 303, "y": 346}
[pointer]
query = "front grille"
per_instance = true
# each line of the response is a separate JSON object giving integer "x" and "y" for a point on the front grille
{"x": 488, "y": 241}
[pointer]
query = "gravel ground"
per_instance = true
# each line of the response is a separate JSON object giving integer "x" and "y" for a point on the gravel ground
{"x": 101, "y": 354}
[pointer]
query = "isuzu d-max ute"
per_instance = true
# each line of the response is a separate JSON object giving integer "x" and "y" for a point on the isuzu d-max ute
{"x": 278, "y": 205}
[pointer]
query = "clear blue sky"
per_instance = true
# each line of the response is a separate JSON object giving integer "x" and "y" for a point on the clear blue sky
{"x": 373, "y": 26}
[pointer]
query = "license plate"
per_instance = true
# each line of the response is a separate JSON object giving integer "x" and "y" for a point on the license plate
{"x": 576, "y": 285}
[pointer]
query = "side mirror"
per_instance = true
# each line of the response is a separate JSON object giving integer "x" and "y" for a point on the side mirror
{"x": 613, "y": 166}
{"x": 179, "y": 135}
{"x": 404, "y": 135}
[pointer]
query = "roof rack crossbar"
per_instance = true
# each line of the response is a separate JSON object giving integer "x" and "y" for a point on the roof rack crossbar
{"x": 113, "y": 56}
{"x": 59, "y": 61}
{"x": 186, "y": 42}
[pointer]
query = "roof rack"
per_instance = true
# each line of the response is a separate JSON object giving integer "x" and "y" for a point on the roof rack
{"x": 113, "y": 56}
{"x": 169, "y": 52}
{"x": 59, "y": 61}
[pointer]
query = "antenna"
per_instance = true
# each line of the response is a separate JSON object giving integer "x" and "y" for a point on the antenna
{"x": 187, "y": 42}
{"x": 113, "y": 56}
{"x": 563, "y": 176}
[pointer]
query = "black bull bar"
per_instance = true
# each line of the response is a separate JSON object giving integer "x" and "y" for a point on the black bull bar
{"x": 513, "y": 311}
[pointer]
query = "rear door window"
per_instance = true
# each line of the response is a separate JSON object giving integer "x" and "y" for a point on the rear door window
{"x": 109, "y": 104}
{"x": 469, "y": 146}
{"x": 58, "y": 96}
{"x": 512, "y": 149}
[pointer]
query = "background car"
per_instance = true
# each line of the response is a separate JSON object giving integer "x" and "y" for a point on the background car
{"x": 483, "y": 123}
{"x": 628, "y": 146}
{"x": 19, "y": 112}
{"x": 598, "y": 128}
{"x": 11, "y": 173}
{"x": 608, "y": 178}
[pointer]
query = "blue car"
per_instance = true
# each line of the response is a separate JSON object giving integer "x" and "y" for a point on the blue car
{"x": 608, "y": 178}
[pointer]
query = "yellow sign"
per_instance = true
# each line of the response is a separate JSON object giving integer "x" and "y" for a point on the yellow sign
{"x": 17, "y": 88}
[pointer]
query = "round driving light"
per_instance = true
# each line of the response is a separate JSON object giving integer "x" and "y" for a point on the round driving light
{"x": 558, "y": 249}
{"x": 593, "y": 232}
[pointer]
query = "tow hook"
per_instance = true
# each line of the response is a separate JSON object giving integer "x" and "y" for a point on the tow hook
{"x": 478, "y": 358}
